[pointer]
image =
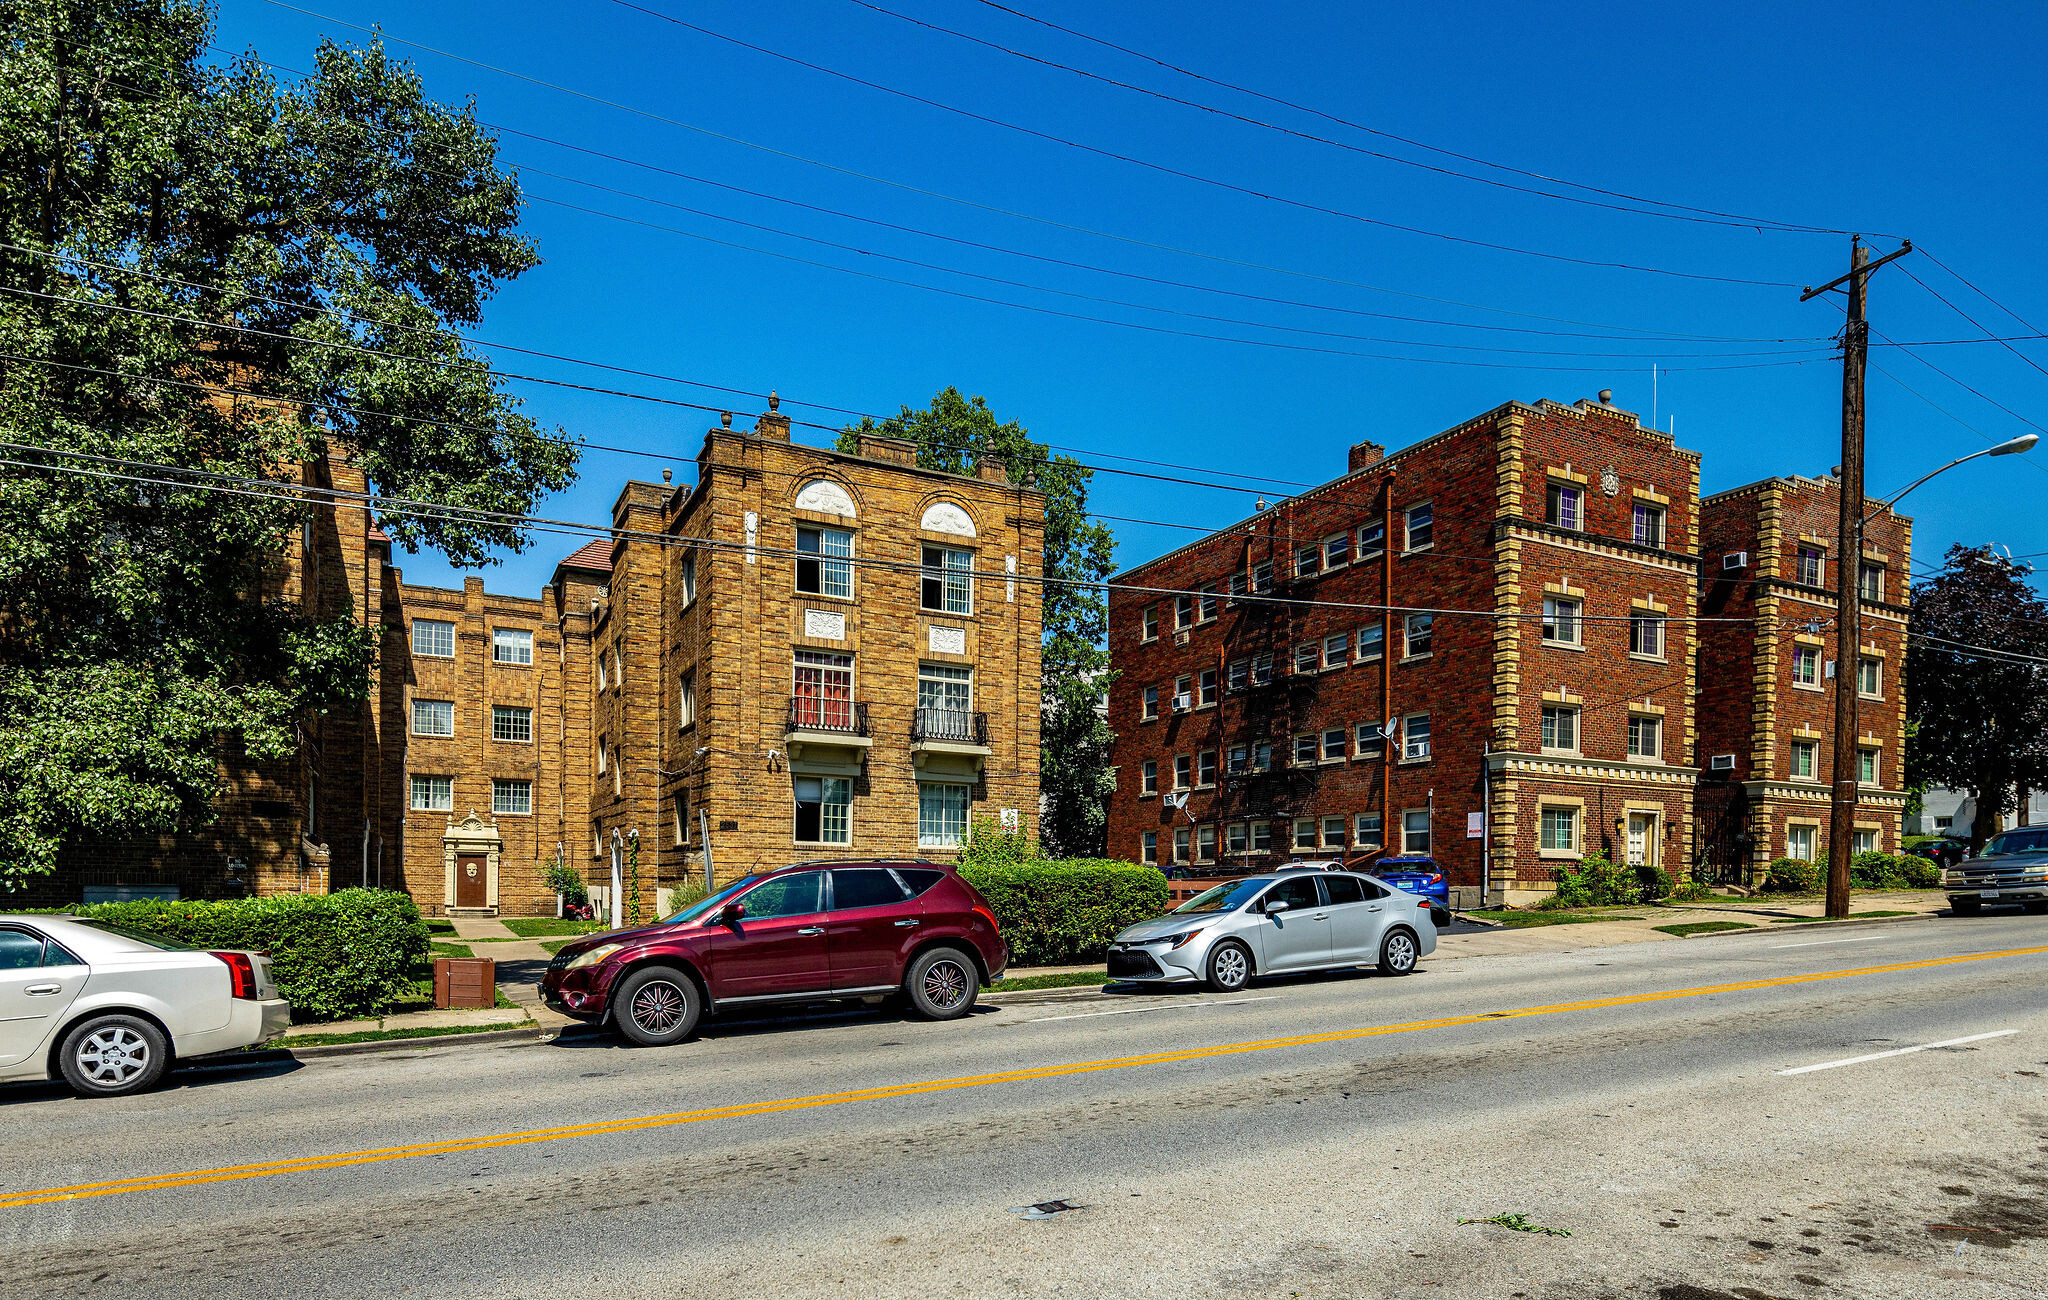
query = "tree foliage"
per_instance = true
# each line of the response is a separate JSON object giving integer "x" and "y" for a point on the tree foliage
{"x": 952, "y": 434}
{"x": 205, "y": 267}
{"x": 1979, "y": 722}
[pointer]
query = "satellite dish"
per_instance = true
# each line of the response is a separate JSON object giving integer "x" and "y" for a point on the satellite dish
{"x": 1388, "y": 730}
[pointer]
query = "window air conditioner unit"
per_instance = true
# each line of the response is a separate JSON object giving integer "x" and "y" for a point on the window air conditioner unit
{"x": 1181, "y": 637}
{"x": 1182, "y": 703}
{"x": 1721, "y": 763}
{"x": 1734, "y": 560}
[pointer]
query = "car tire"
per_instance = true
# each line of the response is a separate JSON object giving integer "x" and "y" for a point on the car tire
{"x": 657, "y": 1006}
{"x": 942, "y": 983}
{"x": 1966, "y": 906}
{"x": 1399, "y": 952}
{"x": 113, "y": 1055}
{"x": 1229, "y": 967}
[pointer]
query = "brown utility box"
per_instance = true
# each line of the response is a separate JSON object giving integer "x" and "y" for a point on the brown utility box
{"x": 465, "y": 982}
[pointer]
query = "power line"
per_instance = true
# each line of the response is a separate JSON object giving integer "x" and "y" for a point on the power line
{"x": 1983, "y": 651}
{"x": 1973, "y": 320}
{"x": 1388, "y": 135}
{"x": 1960, "y": 384}
{"x": 1164, "y": 169}
{"x": 1980, "y": 293}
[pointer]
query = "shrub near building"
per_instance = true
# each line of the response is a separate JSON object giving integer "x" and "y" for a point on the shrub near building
{"x": 1056, "y": 910}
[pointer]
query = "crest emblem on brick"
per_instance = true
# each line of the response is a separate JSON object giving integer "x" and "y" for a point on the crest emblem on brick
{"x": 1610, "y": 482}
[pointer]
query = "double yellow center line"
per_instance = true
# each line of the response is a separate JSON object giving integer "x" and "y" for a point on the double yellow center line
{"x": 307, "y": 1164}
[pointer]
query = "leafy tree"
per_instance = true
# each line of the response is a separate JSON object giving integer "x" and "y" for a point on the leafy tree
{"x": 1979, "y": 723}
{"x": 1074, "y": 773}
{"x": 176, "y": 239}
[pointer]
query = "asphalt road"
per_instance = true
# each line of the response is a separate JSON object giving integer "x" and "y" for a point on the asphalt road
{"x": 1313, "y": 1137}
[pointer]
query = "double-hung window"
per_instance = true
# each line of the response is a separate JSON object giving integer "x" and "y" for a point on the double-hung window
{"x": 1809, "y": 567}
{"x": 1208, "y": 603}
{"x": 822, "y": 691}
{"x": 1421, "y": 521}
{"x": 1238, "y": 838}
{"x": 433, "y": 717}
{"x": 1336, "y": 647}
{"x": 1148, "y": 778}
{"x": 1150, "y": 630}
{"x": 1262, "y": 669}
{"x": 1649, "y": 526}
{"x": 1205, "y": 687}
{"x": 1866, "y": 766}
{"x": 1333, "y": 743}
{"x": 433, "y": 638}
{"x": 1262, "y": 577}
{"x": 1307, "y": 560}
{"x": 1560, "y": 727}
{"x": 1240, "y": 674}
{"x": 686, "y": 700}
{"x": 1372, "y": 539}
{"x": 1645, "y": 736}
{"x": 1804, "y": 756}
{"x": 689, "y": 576}
{"x": 948, "y": 581}
{"x": 1308, "y": 656}
{"x": 824, "y": 564}
{"x": 1415, "y": 831}
{"x": 1799, "y": 842}
{"x": 1304, "y": 832}
{"x": 941, "y": 814}
{"x": 1305, "y": 749}
{"x": 1183, "y": 612}
{"x": 511, "y": 645}
{"x": 1564, "y": 505}
{"x": 1205, "y": 844}
{"x": 1262, "y": 837}
{"x": 1560, "y": 830}
{"x": 1368, "y": 740}
{"x": 1337, "y": 551}
{"x": 1183, "y": 771}
{"x": 1149, "y": 848}
{"x": 511, "y": 722}
{"x": 511, "y": 798}
{"x": 1238, "y": 756}
{"x": 1150, "y": 708}
{"x": 1870, "y": 677}
{"x": 1415, "y": 737}
{"x": 1806, "y": 666}
{"x": 1646, "y": 636}
{"x": 1561, "y": 620}
{"x": 1418, "y": 632}
{"x": 1372, "y": 640}
{"x": 433, "y": 793}
{"x": 1366, "y": 829}
{"x": 1333, "y": 832}
{"x": 1205, "y": 768}
{"x": 824, "y": 809}
{"x": 1870, "y": 581}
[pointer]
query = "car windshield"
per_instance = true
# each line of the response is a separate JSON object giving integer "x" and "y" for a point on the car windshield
{"x": 1227, "y": 897}
{"x": 2031, "y": 839}
{"x": 142, "y": 937}
{"x": 704, "y": 906}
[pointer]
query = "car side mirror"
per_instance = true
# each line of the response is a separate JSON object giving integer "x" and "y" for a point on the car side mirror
{"x": 730, "y": 914}
{"x": 1276, "y": 905}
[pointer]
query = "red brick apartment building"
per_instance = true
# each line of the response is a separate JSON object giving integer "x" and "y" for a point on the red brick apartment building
{"x": 1528, "y": 698}
{"x": 1771, "y": 553}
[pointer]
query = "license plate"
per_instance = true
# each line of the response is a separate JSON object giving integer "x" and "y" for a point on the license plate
{"x": 1987, "y": 893}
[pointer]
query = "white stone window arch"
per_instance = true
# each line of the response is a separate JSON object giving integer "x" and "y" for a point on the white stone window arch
{"x": 826, "y": 497}
{"x": 946, "y": 517}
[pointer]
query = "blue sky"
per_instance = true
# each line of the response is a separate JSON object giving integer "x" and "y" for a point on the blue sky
{"x": 1909, "y": 120}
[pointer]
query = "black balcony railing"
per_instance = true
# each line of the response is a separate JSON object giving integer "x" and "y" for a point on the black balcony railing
{"x": 814, "y": 713}
{"x": 950, "y": 724}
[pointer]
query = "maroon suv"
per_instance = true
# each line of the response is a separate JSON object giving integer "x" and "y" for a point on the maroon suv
{"x": 804, "y": 933}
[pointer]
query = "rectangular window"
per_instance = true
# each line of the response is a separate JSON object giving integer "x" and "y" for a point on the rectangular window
{"x": 1870, "y": 676}
{"x": 1645, "y": 737}
{"x": 1333, "y": 743}
{"x": 1262, "y": 669}
{"x": 1205, "y": 844}
{"x": 1562, "y": 506}
{"x": 1205, "y": 768}
{"x": 433, "y": 638}
{"x": 1418, "y": 632}
{"x": 1870, "y": 581}
{"x": 1148, "y": 780}
{"x": 1183, "y": 611}
{"x": 1308, "y": 656}
{"x": 941, "y": 815}
{"x": 433, "y": 793}
{"x": 1371, "y": 641}
{"x": 824, "y": 566}
{"x": 1560, "y": 830}
{"x": 1421, "y": 526}
{"x": 511, "y": 645}
{"x": 1262, "y": 756}
{"x": 1240, "y": 755}
{"x": 1561, "y": 620}
{"x": 1262, "y": 837}
{"x": 1237, "y": 585}
{"x": 1262, "y": 577}
{"x": 1307, "y": 560}
{"x": 1183, "y": 771}
{"x": 1560, "y": 727}
{"x": 1863, "y": 841}
{"x": 1337, "y": 551}
{"x": 1150, "y": 850}
{"x": 1238, "y": 838}
{"x": 1415, "y": 831}
{"x": 689, "y": 578}
{"x": 1336, "y": 647}
{"x": 1151, "y": 624}
{"x": 1805, "y": 665}
{"x": 1333, "y": 832}
{"x": 1803, "y": 754}
{"x": 1369, "y": 740}
{"x": 1366, "y": 829}
{"x": 686, "y": 700}
{"x": 1415, "y": 736}
{"x": 1372, "y": 540}
{"x": 1810, "y": 567}
{"x": 945, "y": 700}
{"x": 603, "y": 673}
{"x": 824, "y": 809}
{"x": 433, "y": 717}
{"x": 603, "y": 748}
{"x": 1866, "y": 766}
{"x": 1240, "y": 674}
{"x": 1205, "y": 687}
{"x": 1180, "y": 844}
{"x": 1304, "y": 832}
{"x": 511, "y": 798}
{"x": 1799, "y": 842}
{"x": 821, "y": 691}
{"x": 1646, "y": 635}
{"x": 1649, "y": 526}
{"x": 1183, "y": 694}
{"x": 1208, "y": 602}
{"x": 511, "y": 722}
{"x": 1150, "y": 708}
{"x": 948, "y": 582}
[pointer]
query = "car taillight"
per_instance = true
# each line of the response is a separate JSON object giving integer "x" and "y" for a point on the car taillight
{"x": 1423, "y": 904}
{"x": 1435, "y": 878}
{"x": 241, "y": 973}
{"x": 987, "y": 913}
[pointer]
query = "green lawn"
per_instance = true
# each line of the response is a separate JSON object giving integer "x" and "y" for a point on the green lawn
{"x": 1704, "y": 927}
{"x": 1518, "y": 920}
{"x": 540, "y": 927}
{"x": 445, "y": 949}
{"x": 1058, "y": 980}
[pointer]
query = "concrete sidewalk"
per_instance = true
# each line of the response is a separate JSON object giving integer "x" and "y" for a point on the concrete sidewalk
{"x": 1757, "y": 913}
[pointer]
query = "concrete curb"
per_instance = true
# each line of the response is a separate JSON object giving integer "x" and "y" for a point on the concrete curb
{"x": 271, "y": 1055}
{"x": 1793, "y": 927}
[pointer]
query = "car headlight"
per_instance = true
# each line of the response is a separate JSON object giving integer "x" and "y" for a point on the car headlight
{"x": 594, "y": 956}
{"x": 1173, "y": 941}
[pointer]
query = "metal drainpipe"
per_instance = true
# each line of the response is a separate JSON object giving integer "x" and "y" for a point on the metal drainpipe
{"x": 1387, "y": 663}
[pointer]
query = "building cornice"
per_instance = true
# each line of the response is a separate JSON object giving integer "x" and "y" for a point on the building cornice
{"x": 1561, "y": 767}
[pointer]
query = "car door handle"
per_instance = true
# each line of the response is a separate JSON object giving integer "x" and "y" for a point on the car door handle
{"x": 812, "y": 929}
{"x": 40, "y": 990}
{"x": 905, "y": 925}
{"x": 1374, "y": 908}
{"x": 1322, "y": 916}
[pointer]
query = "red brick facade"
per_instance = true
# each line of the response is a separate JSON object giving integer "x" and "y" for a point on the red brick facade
{"x": 1487, "y": 522}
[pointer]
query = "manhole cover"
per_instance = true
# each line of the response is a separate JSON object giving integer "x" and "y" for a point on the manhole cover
{"x": 1045, "y": 1209}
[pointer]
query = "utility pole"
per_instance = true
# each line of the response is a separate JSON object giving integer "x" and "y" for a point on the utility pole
{"x": 1848, "y": 565}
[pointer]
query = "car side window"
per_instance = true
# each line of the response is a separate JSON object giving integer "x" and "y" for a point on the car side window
{"x": 864, "y": 887}
{"x": 918, "y": 879}
{"x": 798, "y": 894}
{"x": 20, "y": 951}
{"x": 1297, "y": 892}
{"x": 56, "y": 954}
{"x": 1374, "y": 889}
{"x": 1344, "y": 889}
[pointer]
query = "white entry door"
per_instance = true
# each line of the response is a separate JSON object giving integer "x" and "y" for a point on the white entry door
{"x": 1642, "y": 839}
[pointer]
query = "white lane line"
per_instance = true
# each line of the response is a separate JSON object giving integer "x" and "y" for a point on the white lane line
{"x": 1822, "y": 943}
{"x": 1132, "y": 1011}
{"x": 1901, "y": 1051}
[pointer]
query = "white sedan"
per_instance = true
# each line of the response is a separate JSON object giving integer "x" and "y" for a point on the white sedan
{"x": 108, "y": 1009}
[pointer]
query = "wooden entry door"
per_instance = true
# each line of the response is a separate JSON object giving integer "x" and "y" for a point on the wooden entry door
{"x": 472, "y": 886}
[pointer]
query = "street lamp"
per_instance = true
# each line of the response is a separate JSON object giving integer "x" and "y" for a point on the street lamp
{"x": 1845, "y": 793}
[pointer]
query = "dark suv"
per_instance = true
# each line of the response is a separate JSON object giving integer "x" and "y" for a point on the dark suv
{"x": 806, "y": 933}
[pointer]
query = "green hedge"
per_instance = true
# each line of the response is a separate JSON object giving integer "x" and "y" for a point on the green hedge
{"x": 1791, "y": 876}
{"x": 1053, "y": 910}
{"x": 1866, "y": 871}
{"x": 335, "y": 956}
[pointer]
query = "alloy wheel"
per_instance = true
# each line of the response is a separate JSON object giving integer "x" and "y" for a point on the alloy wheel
{"x": 113, "y": 1056}
{"x": 659, "y": 1007}
{"x": 1400, "y": 951}
{"x": 1230, "y": 966}
{"x": 945, "y": 984}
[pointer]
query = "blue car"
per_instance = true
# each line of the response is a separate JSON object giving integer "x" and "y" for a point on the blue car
{"x": 1419, "y": 876}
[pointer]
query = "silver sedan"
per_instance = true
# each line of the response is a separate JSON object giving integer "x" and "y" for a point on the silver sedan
{"x": 1278, "y": 924}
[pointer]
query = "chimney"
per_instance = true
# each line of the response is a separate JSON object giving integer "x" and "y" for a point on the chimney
{"x": 1366, "y": 453}
{"x": 773, "y": 426}
{"x": 991, "y": 469}
{"x": 897, "y": 451}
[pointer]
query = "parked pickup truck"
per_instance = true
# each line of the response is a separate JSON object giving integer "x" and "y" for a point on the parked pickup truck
{"x": 2013, "y": 868}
